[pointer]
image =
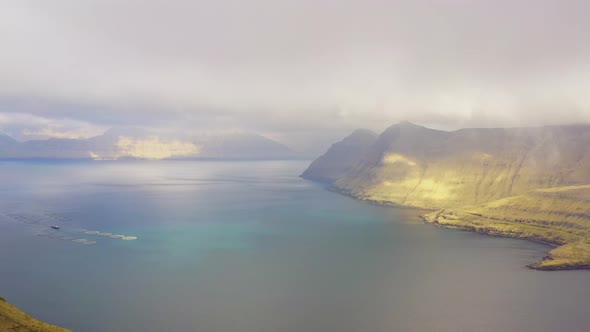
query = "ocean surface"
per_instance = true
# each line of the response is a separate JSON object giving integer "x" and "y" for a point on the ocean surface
{"x": 250, "y": 247}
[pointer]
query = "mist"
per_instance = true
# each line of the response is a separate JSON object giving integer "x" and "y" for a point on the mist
{"x": 303, "y": 72}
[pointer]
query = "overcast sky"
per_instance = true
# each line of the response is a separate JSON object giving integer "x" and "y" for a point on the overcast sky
{"x": 304, "y": 72}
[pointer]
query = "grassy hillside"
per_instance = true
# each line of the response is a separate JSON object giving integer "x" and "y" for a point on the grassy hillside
{"x": 415, "y": 166}
{"x": 521, "y": 182}
{"x": 13, "y": 319}
{"x": 559, "y": 216}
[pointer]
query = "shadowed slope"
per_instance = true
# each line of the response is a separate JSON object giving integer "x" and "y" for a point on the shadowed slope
{"x": 341, "y": 157}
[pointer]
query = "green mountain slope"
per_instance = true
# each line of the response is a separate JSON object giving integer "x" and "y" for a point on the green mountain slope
{"x": 13, "y": 319}
{"x": 467, "y": 171}
{"x": 559, "y": 216}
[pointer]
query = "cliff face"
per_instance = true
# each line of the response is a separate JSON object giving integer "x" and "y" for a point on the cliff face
{"x": 494, "y": 181}
{"x": 341, "y": 157}
{"x": 12, "y": 319}
{"x": 415, "y": 166}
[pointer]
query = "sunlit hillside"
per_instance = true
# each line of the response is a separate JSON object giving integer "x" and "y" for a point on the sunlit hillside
{"x": 13, "y": 319}
{"x": 497, "y": 173}
{"x": 559, "y": 216}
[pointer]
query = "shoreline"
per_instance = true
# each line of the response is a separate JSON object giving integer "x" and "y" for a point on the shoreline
{"x": 565, "y": 254}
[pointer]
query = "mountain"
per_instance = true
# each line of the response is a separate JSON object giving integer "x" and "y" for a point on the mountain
{"x": 241, "y": 146}
{"x": 12, "y": 319}
{"x": 465, "y": 171}
{"x": 7, "y": 144}
{"x": 5, "y": 139}
{"x": 124, "y": 143}
{"x": 341, "y": 157}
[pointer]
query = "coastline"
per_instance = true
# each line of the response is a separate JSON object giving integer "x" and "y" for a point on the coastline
{"x": 547, "y": 263}
{"x": 570, "y": 251}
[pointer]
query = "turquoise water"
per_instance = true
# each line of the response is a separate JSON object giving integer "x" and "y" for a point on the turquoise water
{"x": 250, "y": 247}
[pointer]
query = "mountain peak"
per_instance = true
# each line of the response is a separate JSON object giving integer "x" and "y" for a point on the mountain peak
{"x": 407, "y": 124}
{"x": 360, "y": 135}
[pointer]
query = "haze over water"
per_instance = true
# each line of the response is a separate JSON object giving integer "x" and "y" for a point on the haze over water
{"x": 250, "y": 247}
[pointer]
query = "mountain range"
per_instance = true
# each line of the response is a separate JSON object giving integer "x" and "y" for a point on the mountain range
{"x": 531, "y": 183}
{"x": 134, "y": 143}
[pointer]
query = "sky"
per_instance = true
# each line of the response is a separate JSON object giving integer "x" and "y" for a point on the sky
{"x": 303, "y": 72}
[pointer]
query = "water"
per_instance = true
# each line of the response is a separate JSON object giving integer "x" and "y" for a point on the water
{"x": 250, "y": 247}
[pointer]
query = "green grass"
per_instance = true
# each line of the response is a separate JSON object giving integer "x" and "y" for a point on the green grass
{"x": 558, "y": 216}
{"x": 13, "y": 319}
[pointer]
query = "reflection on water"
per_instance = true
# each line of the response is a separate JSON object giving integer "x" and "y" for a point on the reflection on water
{"x": 250, "y": 247}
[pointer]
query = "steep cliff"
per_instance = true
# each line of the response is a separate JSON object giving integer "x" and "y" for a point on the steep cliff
{"x": 415, "y": 166}
{"x": 519, "y": 182}
{"x": 341, "y": 157}
{"x": 13, "y": 319}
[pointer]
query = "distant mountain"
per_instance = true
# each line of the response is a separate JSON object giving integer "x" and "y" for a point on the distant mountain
{"x": 410, "y": 165}
{"x": 125, "y": 143}
{"x": 5, "y": 139}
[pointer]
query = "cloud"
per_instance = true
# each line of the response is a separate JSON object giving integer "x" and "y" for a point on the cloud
{"x": 297, "y": 68}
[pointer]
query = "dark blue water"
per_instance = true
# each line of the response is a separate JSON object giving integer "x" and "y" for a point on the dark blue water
{"x": 250, "y": 247}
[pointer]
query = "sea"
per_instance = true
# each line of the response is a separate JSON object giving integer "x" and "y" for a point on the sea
{"x": 249, "y": 246}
